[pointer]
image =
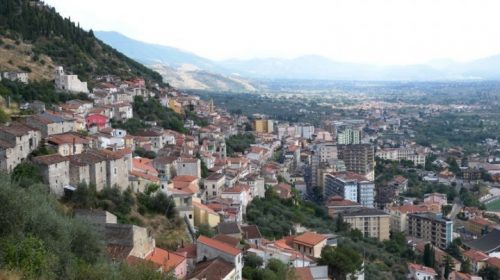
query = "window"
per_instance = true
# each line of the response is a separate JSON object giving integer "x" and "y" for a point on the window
{"x": 115, "y": 170}
{"x": 190, "y": 216}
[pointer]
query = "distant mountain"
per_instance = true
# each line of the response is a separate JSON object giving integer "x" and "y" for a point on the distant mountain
{"x": 43, "y": 38}
{"x": 318, "y": 67}
{"x": 179, "y": 68}
{"x": 153, "y": 53}
{"x": 188, "y": 70}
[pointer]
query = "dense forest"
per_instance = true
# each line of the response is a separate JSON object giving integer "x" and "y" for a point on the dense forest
{"x": 65, "y": 42}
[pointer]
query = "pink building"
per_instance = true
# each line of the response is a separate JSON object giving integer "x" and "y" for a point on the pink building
{"x": 96, "y": 120}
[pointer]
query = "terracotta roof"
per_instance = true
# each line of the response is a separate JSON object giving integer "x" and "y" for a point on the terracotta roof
{"x": 189, "y": 250}
{"x": 215, "y": 269}
{"x": 309, "y": 238}
{"x": 227, "y": 239}
{"x": 475, "y": 255}
{"x": 221, "y": 246}
{"x": 338, "y": 201}
{"x": 348, "y": 175}
{"x": 303, "y": 273}
{"x": 168, "y": 260}
{"x": 410, "y": 208}
{"x": 251, "y": 232}
{"x": 494, "y": 262}
{"x": 50, "y": 159}
{"x": 184, "y": 178}
{"x": 16, "y": 129}
{"x": 214, "y": 177}
{"x": 480, "y": 221}
{"x": 188, "y": 160}
{"x": 238, "y": 188}
{"x": 85, "y": 158}
{"x": 145, "y": 176}
{"x": 421, "y": 268}
{"x": 67, "y": 138}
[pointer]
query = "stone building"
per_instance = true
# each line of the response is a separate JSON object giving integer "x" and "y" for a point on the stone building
{"x": 90, "y": 168}
{"x": 50, "y": 124}
{"x": 55, "y": 172}
{"x": 189, "y": 167}
{"x": 17, "y": 141}
{"x": 118, "y": 165}
{"x": 69, "y": 82}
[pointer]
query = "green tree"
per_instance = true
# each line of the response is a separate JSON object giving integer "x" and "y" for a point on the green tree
{"x": 429, "y": 256}
{"x": 206, "y": 230}
{"x": 489, "y": 273}
{"x": 341, "y": 261}
{"x": 253, "y": 261}
{"x": 448, "y": 266}
{"x": 466, "y": 266}
{"x": 28, "y": 255}
{"x": 26, "y": 174}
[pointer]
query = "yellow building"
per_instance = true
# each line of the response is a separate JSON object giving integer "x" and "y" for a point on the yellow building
{"x": 204, "y": 215}
{"x": 263, "y": 126}
{"x": 371, "y": 222}
{"x": 176, "y": 106}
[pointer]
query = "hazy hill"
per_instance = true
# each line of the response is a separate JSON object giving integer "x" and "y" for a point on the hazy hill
{"x": 187, "y": 70}
{"x": 179, "y": 68}
{"x": 46, "y": 33}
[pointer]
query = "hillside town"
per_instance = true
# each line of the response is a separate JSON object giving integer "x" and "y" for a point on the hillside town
{"x": 350, "y": 167}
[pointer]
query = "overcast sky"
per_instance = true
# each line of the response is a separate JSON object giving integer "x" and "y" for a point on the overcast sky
{"x": 370, "y": 31}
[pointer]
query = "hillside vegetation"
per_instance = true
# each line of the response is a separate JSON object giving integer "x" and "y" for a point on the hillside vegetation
{"x": 48, "y": 33}
{"x": 39, "y": 240}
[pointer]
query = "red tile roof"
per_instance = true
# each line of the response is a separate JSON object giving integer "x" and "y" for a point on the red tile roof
{"x": 309, "y": 238}
{"x": 303, "y": 273}
{"x": 168, "y": 260}
{"x": 475, "y": 255}
{"x": 50, "y": 159}
{"x": 221, "y": 246}
{"x": 189, "y": 251}
{"x": 494, "y": 262}
{"x": 227, "y": 239}
{"x": 215, "y": 269}
{"x": 421, "y": 268}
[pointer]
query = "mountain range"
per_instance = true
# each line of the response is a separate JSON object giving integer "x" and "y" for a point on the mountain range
{"x": 188, "y": 70}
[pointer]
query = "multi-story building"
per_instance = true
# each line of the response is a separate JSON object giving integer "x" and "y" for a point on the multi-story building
{"x": 55, "y": 172}
{"x": 209, "y": 248}
{"x": 214, "y": 185}
{"x": 399, "y": 214}
{"x": 189, "y": 167}
{"x": 351, "y": 186}
{"x": 263, "y": 125}
{"x": 359, "y": 158}
{"x": 371, "y": 222}
{"x": 430, "y": 227}
{"x": 398, "y": 154}
{"x": 349, "y": 136}
{"x": 17, "y": 141}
